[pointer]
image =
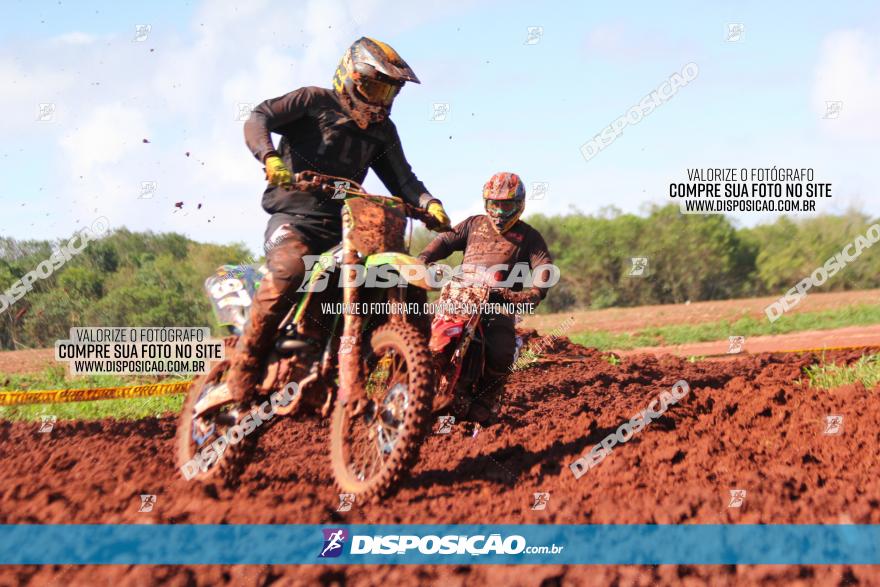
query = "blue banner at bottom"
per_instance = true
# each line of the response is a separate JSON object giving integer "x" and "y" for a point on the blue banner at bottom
{"x": 298, "y": 544}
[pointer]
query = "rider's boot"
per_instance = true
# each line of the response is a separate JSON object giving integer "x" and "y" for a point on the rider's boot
{"x": 274, "y": 298}
{"x": 485, "y": 403}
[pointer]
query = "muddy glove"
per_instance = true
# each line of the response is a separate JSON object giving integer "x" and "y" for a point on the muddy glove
{"x": 277, "y": 172}
{"x": 435, "y": 209}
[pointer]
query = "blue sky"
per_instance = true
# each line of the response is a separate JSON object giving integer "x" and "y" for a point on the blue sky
{"x": 514, "y": 106}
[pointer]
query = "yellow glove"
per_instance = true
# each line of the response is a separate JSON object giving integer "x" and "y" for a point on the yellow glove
{"x": 436, "y": 210}
{"x": 277, "y": 172}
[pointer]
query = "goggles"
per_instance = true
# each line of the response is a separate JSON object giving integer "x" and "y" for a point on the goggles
{"x": 377, "y": 92}
{"x": 503, "y": 208}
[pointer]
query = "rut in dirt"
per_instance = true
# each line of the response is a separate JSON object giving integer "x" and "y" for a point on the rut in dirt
{"x": 748, "y": 423}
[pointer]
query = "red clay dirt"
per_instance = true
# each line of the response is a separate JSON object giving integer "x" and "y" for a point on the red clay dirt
{"x": 748, "y": 423}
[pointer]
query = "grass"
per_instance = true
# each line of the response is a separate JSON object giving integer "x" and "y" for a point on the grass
{"x": 55, "y": 377}
{"x": 829, "y": 376}
{"x": 611, "y": 359}
{"x": 859, "y": 315}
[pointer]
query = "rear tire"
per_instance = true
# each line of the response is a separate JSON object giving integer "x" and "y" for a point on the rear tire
{"x": 408, "y": 405}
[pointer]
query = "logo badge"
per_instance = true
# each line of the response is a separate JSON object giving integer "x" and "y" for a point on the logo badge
{"x": 340, "y": 189}
{"x": 445, "y": 424}
{"x": 639, "y": 266}
{"x": 440, "y": 112}
{"x": 541, "y": 501}
{"x": 334, "y": 539}
{"x": 539, "y": 190}
{"x": 46, "y": 112}
{"x": 47, "y": 423}
{"x": 147, "y": 503}
{"x": 534, "y": 35}
{"x": 735, "y": 31}
{"x": 735, "y": 344}
{"x": 346, "y": 344}
{"x": 346, "y": 501}
{"x": 141, "y": 32}
{"x": 833, "y": 109}
{"x": 737, "y": 498}
{"x": 243, "y": 110}
{"x": 833, "y": 425}
{"x": 148, "y": 190}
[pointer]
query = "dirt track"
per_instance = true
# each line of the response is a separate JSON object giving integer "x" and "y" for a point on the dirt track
{"x": 746, "y": 424}
{"x": 641, "y": 317}
{"x": 807, "y": 340}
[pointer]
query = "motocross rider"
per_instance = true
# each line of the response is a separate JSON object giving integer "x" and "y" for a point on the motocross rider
{"x": 496, "y": 237}
{"x": 343, "y": 132}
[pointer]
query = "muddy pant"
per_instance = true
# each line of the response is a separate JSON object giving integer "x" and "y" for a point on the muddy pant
{"x": 499, "y": 341}
{"x": 286, "y": 245}
{"x": 499, "y": 338}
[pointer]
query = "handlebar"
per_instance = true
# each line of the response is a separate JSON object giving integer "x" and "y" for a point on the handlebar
{"x": 309, "y": 181}
{"x": 420, "y": 214}
{"x": 331, "y": 184}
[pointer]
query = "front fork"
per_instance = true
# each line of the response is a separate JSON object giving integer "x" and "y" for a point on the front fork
{"x": 350, "y": 384}
{"x": 351, "y": 381}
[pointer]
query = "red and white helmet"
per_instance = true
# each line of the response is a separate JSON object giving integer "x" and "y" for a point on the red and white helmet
{"x": 504, "y": 197}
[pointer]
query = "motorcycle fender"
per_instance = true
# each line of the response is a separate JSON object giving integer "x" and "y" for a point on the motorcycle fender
{"x": 443, "y": 332}
{"x": 398, "y": 261}
{"x": 220, "y": 395}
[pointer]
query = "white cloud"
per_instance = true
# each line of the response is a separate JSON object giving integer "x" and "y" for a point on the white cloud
{"x": 109, "y": 133}
{"x": 616, "y": 41}
{"x": 608, "y": 39}
{"x": 179, "y": 90}
{"x": 24, "y": 89}
{"x": 849, "y": 71}
{"x": 74, "y": 38}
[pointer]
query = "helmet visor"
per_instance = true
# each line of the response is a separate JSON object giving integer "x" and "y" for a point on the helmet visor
{"x": 378, "y": 93}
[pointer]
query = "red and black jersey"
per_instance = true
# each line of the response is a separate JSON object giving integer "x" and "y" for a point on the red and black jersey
{"x": 484, "y": 247}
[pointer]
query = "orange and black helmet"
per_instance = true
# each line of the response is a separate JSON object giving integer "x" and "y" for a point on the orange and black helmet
{"x": 504, "y": 196}
{"x": 368, "y": 78}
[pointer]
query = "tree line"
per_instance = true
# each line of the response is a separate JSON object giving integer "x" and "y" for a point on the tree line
{"x": 695, "y": 257}
{"x": 148, "y": 279}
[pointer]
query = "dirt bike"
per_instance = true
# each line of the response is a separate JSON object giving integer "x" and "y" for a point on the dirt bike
{"x": 457, "y": 341}
{"x": 373, "y": 373}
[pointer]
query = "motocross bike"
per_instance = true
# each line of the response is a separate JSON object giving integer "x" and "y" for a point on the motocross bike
{"x": 457, "y": 340}
{"x": 373, "y": 373}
